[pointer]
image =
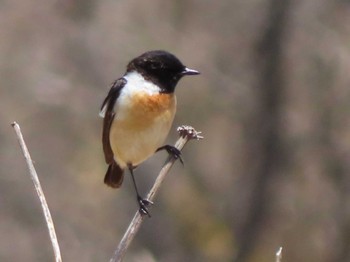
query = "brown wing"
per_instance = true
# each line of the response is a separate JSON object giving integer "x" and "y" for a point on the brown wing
{"x": 107, "y": 111}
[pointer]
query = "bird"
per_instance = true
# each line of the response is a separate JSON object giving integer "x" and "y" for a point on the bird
{"x": 137, "y": 113}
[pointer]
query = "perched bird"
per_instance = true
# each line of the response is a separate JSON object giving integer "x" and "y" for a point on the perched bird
{"x": 138, "y": 113}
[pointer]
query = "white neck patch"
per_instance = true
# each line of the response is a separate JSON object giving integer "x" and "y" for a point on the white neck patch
{"x": 136, "y": 82}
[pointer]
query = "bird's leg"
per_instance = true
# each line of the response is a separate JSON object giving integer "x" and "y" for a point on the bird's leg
{"x": 143, "y": 203}
{"x": 173, "y": 151}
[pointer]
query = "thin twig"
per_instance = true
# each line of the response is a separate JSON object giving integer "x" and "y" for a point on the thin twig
{"x": 186, "y": 133}
{"x": 35, "y": 179}
{"x": 279, "y": 255}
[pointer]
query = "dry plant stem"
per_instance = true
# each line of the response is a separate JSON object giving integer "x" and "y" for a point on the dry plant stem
{"x": 279, "y": 255}
{"x": 186, "y": 133}
{"x": 35, "y": 179}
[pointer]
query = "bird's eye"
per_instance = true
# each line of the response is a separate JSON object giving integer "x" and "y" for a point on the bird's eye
{"x": 155, "y": 65}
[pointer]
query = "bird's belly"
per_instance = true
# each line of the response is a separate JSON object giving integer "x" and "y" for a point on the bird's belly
{"x": 136, "y": 136}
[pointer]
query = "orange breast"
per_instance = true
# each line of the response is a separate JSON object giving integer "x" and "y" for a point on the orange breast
{"x": 143, "y": 128}
{"x": 146, "y": 109}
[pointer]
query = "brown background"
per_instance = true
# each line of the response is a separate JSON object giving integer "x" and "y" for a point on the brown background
{"x": 272, "y": 101}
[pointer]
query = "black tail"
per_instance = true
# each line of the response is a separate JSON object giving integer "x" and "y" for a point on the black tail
{"x": 114, "y": 175}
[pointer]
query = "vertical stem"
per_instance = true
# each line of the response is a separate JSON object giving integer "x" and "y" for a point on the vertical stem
{"x": 35, "y": 179}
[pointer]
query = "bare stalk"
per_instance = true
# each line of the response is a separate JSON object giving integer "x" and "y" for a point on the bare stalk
{"x": 186, "y": 133}
{"x": 35, "y": 179}
{"x": 279, "y": 255}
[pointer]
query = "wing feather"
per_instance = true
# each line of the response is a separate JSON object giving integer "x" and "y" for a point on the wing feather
{"x": 107, "y": 112}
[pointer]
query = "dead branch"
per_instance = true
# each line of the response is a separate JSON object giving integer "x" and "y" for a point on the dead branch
{"x": 35, "y": 179}
{"x": 186, "y": 133}
{"x": 279, "y": 255}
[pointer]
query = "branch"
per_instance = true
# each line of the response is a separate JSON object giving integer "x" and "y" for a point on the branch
{"x": 279, "y": 255}
{"x": 186, "y": 133}
{"x": 35, "y": 179}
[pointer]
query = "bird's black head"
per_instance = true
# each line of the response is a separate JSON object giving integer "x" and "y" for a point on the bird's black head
{"x": 160, "y": 67}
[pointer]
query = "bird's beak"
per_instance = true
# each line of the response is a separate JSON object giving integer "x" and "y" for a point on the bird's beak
{"x": 189, "y": 71}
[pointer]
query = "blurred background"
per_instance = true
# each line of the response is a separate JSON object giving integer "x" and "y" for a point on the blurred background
{"x": 272, "y": 102}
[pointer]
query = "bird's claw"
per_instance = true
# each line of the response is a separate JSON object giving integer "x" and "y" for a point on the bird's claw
{"x": 144, "y": 204}
{"x": 173, "y": 151}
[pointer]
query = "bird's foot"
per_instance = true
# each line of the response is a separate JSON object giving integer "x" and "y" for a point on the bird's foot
{"x": 144, "y": 204}
{"x": 173, "y": 151}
